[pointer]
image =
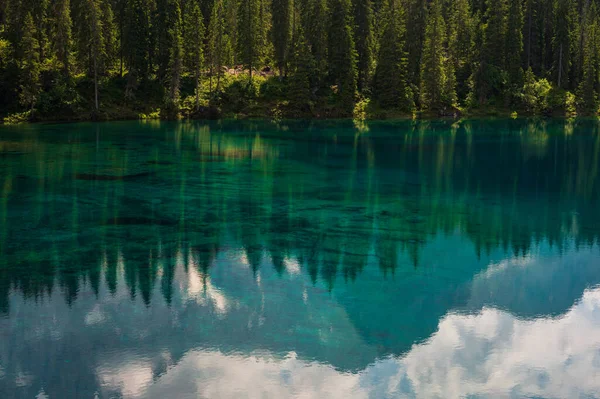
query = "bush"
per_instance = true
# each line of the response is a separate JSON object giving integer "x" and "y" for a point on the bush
{"x": 536, "y": 94}
{"x": 61, "y": 99}
{"x": 273, "y": 88}
{"x": 15, "y": 119}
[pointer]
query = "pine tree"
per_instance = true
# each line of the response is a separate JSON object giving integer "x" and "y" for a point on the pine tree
{"x": 315, "y": 23}
{"x": 415, "y": 31}
{"x": 194, "y": 44}
{"x": 218, "y": 41}
{"x": 363, "y": 34}
{"x": 93, "y": 41}
{"x": 461, "y": 32}
{"x": 173, "y": 73}
{"x": 302, "y": 66}
{"x": 488, "y": 77}
{"x": 514, "y": 44}
{"x": 281, "y": 32}
{"x": 250, "y": 34}
{"x": 590, "y": 84}
{"x": 62, "y": 40}
{"x": 433, "y": 71}
{"x": 342, "y": 53}
{"x": 30, "y": 65}
{"x": 562, "y": 41}
{"x": 390, "y": 78}
{"x": 137, "y": 43}
{"x": 109, "y": 35}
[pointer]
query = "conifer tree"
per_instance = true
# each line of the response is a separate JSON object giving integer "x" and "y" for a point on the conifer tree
{"x": 363, "y": 34}
{"x": 248, "y": 40}
{"x": 62, "y": 40}
{"x": 281, "y": 32}
{"x": 137, "y": 43}
{"x": 590, "y": 85}
{"x": 30, "y": 65}
{"x": 390, "y": 78}
{"x": 194, "y": 44}
{"x": 218, "y": 42}
{"x": 514, "y": 44}
{"x": 488, "y": 79}
{"x": 301, "y": 67}
{"x": 342, "y": 53}
{"x": 109, "y": 35}
{"x": 175, "y": 65}
{"x": 93, "y": 41}
{"x": 460, "y": 44}
{"x": 315, "y": 24}
{"x": 433, "y": 71}
{"x": 415, "y": 31}
{"x": 563, "y": 41}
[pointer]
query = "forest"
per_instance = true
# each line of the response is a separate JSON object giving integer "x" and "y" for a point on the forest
{"x": 126, "y": 59}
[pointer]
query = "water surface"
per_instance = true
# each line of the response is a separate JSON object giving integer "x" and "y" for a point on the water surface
{"x": 327, "y": 259}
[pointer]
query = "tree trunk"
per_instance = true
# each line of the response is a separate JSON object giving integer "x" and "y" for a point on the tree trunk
{"x": 560, "y": 66}
{"x": 96, "y": 80}
{"x": 197, "y": 88}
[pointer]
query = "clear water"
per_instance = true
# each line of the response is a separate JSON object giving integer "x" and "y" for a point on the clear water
{"x": 325, "y": 260}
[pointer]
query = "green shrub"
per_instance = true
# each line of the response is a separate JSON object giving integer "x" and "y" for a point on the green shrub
{"x": 15, "y": 119}
{"x": 536, "y": 94}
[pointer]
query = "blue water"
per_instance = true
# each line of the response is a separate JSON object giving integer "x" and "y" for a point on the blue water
{"x": 295, "y": 259}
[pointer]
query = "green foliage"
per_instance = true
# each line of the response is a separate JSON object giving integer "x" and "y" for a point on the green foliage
{"x": 15, "y": 119}
{"x": 536, "y": 93}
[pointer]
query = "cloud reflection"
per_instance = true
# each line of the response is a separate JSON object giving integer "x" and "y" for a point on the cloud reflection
{"x": 489, "y": 354}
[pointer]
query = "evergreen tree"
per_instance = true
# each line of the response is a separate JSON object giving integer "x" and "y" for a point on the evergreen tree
{"x": 93, "y": 41}
{"x": 281, "y": 32}
{"x": 514, "y": 44}
{"x": 62, "y": 40}
{"x": 315, "y": 24}
{"x": 488, "y": 77}
{"x": 461, "y": 33}
{"x": 302, "y": 66}
{"x": 363, "y": 34}
{"x": 433, "y": 71}
{"x": 194, "y": 44}
{"x": 590, "y": 84}
{"x": 173, "y": 73}
{"x": 30, "y": 65}
{"x": 562, "y": 41}
{"x": 342, "y": 53}
{"x": 218, "y": 41}
{"x": 137, "y": 43}
{"x": 415, "y": 32}
{"x": 390, "y": 78}
{"x": 109, "y": 35}
{"x": 251, "y": 33}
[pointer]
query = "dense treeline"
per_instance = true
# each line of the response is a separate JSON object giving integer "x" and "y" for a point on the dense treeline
{"x": 68, "y": 58}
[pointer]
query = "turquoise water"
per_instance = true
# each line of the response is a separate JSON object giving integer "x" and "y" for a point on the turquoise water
{"x": 326, "y": 259}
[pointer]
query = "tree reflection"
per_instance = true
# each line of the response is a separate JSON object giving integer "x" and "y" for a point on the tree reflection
{"x": 320, "y": 197}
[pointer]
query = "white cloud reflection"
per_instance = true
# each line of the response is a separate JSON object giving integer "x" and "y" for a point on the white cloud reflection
{"x": 489, "y": 354}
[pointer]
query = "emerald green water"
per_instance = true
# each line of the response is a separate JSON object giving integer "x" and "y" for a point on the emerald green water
{"x": 326, "y": 259}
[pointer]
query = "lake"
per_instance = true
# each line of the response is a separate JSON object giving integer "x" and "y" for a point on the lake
{"x": 326, "y": 259}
